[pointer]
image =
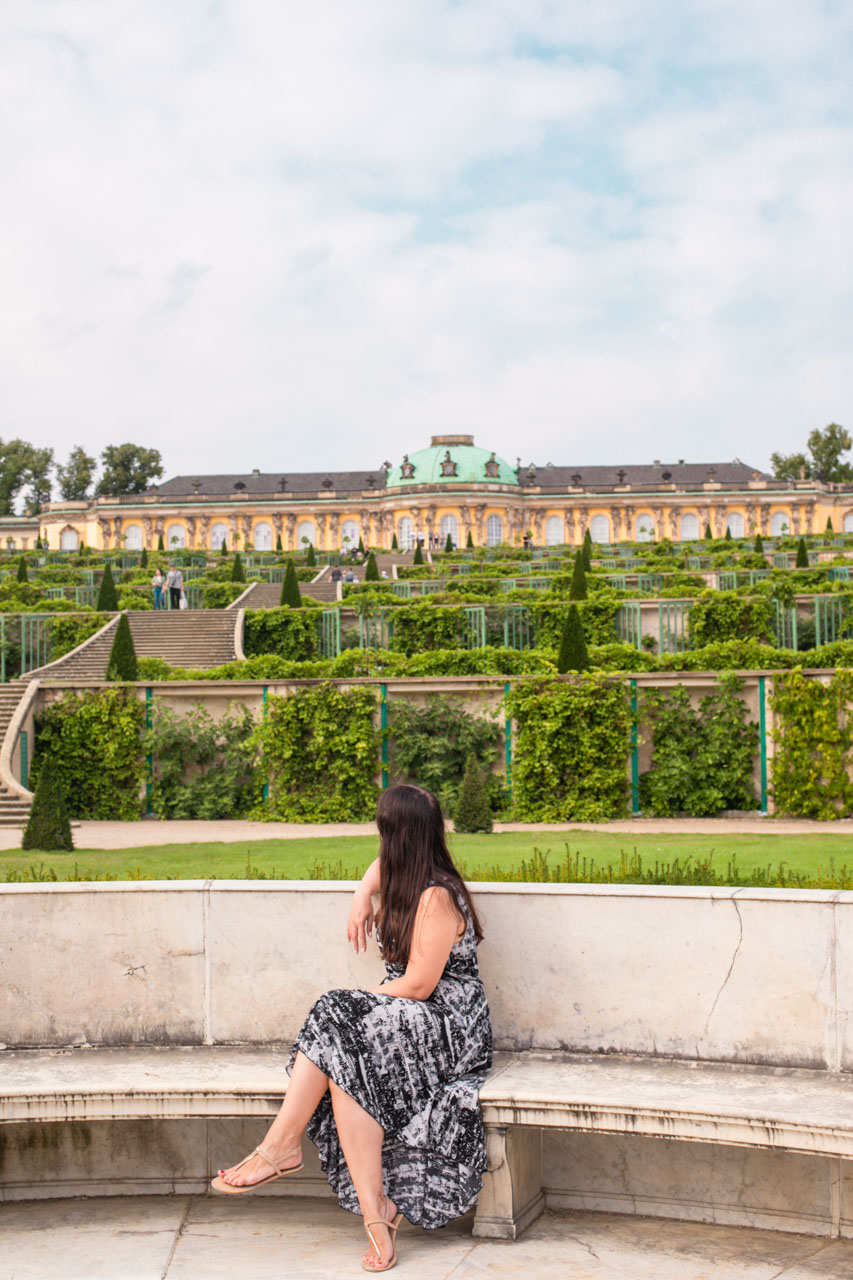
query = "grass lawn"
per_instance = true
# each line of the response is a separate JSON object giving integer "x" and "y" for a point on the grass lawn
{"x": 294, "y": 859}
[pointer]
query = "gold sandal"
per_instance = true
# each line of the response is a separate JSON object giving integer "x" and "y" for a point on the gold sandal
{"x": 219, "y": 1183}
{"x": 392, "y": 1231}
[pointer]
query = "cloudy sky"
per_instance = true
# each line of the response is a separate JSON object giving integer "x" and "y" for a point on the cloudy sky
{"x": 278, "y": 234}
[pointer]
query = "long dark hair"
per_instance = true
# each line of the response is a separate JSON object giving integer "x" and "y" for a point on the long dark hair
{"x": 412, "y": 853}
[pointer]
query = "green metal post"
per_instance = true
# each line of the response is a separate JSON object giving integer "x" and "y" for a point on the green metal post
{"x": 266, "y": 780}
{"x": 23, "y": 644}
{"x": 635, "y": 759}
{"x": 25, "y": 760}
{"x": 3, "y": 648}
{"x": 383, "y": 725}
{"x": 149, "y": 695}
{"x": 762, "y": 741}
{"x": 508, "y": 747}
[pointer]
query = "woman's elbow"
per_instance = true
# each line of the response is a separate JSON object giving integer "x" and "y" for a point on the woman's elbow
{"x": 421, "y": 989}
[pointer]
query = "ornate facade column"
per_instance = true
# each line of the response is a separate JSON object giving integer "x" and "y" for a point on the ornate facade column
{"x": 481, "y": 523}
{"x": 364, "y": 517}
{"x": 674, "y": 513}
{"x": 660, "y": 532}
{"x": 720, "y": 522}
{"x": 764, "y": 518}
{"x": 276, "y": 527}
{"x": 105, "y": 531}
{"x": 569, "y": 525}
{"x": 584, "y": 522}
{"x": 147, "y": 529}
{"x": 191, "y": 528}
{"x": 247, "y": 532}
{"x": 538, "y": 520}
{"x": 159, "y": 529}
{"x": 291, "y": 531}
{"x": 629, "y": 509}
{"x": 235, "y": 532}
{"x": 431, "y": 511}
{"x": 616, "y": 523}
{"x": 204, "y": 526}
{"x": 466, "y": 524}
{"x": 116, "y": 531}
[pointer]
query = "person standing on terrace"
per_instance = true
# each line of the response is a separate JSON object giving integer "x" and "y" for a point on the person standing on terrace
{"x": 386, "y": 1080}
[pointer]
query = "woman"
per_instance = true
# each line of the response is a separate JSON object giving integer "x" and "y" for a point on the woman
{"x": 157, "y": 584}
{"x": 386, "y": 1080}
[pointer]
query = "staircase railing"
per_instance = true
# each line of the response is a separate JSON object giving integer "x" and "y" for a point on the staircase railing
{"x": 15, "y": 755}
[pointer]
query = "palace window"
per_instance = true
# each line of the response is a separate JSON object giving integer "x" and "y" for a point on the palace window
{"x": 848, "y": 523}
{"x": 689, "y": 527}
{"x": 599, "y": 529}
{"x": 780, "y": 523}
{"x": 449, "y": 525}
{"x": 132, "y": 537}
{"x": 68, "y": 540}
{"x": 218, "y": 535}
{"x": 494, "y": 531}
{"x": 349, "y": 534}
{"x": 405, "y": 534}
{"x": 176, "y": 536}
{"x": 306, "y": 529}
{"x": 734, "y": 523}
{"x": 644, "y": 527}
{"x": 554, "y": 531}
{"x": 262, "y": 536}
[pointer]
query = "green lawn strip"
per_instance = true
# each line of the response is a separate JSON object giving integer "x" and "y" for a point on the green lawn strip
{"x": 294, "y": 859}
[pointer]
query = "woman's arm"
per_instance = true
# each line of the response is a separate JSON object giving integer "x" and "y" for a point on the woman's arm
{"x": 437, "y": 927}
{"x": 361, "y": 916}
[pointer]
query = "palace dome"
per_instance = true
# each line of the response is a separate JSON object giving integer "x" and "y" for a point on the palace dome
{"x": 452, "y": 460}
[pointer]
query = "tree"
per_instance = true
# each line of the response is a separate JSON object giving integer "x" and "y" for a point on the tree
{"x": 472, "y": 812}
{"x": 237, "y": 571}
{"x": 21, "y": 463}
{"x": 371, "y": 573}
{"x": 587, "y": 551}
{"x": 826, "y": 448}
{"x": 577, "y": 590}
{"x": 22, "y": 575}
{"x": 75, "y": 478}
{"x": 759, "y": 544}
{"x": 469, "y": 541}
{"x": 107, "y": 598}
{"x": 161, "y": 546}
{"x": 573, "y": 654}
{"x": 448, "y": 543}
{"x": 728, "y": 534}
{"x": 278, "y": 545}
{"x": 48, "y": 828}
{"x": 802, "y": 555}
{"x": 829, "y": 528}
{"x": 223, "y": 547}
{"x": 143, "y": 559}
{"x": 290, "y": 588}
{"x": 360, "y": 544}
{"x": 418, "y": 557}
{"x": 39, "y": 467}
{"x": 395, "y": 546}
{"x": 122, "y": 663}
{"x": 708, "y": 534}
{"x": 129, "y": 468}
{"x": 310, "y": 556}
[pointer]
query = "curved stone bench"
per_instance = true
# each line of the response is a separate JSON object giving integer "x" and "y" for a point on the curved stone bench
{"x": 786, "y": 1110}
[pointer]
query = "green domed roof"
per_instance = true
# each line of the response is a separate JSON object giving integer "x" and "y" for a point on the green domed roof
{"x": 452, "y": 460}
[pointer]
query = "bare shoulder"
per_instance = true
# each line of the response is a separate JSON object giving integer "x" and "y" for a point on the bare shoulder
{"x": 436, "y": 898}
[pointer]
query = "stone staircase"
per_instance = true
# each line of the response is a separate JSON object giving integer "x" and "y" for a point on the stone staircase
{"x": 183, "y": 637}
{"x": 267, "y": 595}
{"x": 14, "y": 809}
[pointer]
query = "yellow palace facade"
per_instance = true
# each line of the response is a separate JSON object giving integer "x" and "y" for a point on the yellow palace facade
{"x": 452, "y": 487}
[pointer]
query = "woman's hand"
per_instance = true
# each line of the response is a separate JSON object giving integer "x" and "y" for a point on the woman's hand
{"x": 361, "y": 918}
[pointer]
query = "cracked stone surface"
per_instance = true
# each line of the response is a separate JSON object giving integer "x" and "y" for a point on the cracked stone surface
{"x": 199, "y": 1238}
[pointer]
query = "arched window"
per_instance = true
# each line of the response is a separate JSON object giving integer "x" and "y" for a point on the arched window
{"x": 449, "y": 525}
{"x": 554, "y": 532}
{"x": 218, "y": 535}
{"x": 262, "y": 536}
{"x": 69, "y": 540}
{"x": 848, "y": 523}
{"x": 306, "y": 529}
{"x": 405, "y": 534}
{"x": 689, "y": 527}
{"x": 176, "y": 536}
{"x": 780, "y": 523}
{"x": 644, "y": 527}
{"x": 349, "y": 534}
{"x": 599, "y": 529}
{"x": 734, "y": 523}
{"x": 132, "y": 537}
{"x": 494, "y": 531}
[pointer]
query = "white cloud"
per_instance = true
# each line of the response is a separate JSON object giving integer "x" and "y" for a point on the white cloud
{"x": 281, "y": 235}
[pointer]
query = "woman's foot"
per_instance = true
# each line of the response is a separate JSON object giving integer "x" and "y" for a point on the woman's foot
{"x": 379, "y": 1255}
{"x": 256, "y": 1169}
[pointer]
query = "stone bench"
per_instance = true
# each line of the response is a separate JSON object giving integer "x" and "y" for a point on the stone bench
{"x": 783, "y": 1110}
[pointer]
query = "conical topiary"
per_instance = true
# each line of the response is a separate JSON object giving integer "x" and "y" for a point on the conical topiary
{"x": 160, "y": 544}
{"x": 759, "y": 544}
{"x": 143, "y": 559}
{"x": 469, "y": 541}
{"x": 122, "y": 664}
{"x": 238, "y": 573}
{"x": 448, "y": 543}
{"x": 278, "y": 546}
{"x": 708, "y": 534}
{"x": 728, "y": 534}
{"x": 573, "y": 654}
{"x": 587, "y": 551}
{"x": 418, "y": 557}
{"x": 577, "y": 590}
{"x": 310, "y": 556}
{"x": 371, "y": 572}
{"x": 107, "y": 601}
{"x": 802, "y": 555}
{"x": 23, "y": 575}
{"x": 48, "y": 828}
{"x": 472, "y": 812}
{"x": 223, "y": 547}
{"x": 360, "y": 544}
{"x": 829, "y": 528}
{"x": 395, "y": 546}
{"x": 290, "y": 587}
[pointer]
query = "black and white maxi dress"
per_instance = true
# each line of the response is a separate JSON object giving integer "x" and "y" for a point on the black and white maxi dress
{"x": 417, "y": 1067}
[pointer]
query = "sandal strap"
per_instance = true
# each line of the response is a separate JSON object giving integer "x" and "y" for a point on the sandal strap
{"x": 277, "y": 1168}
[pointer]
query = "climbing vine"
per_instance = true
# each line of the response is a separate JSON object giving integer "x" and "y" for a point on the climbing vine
{"x": 813, "y": 735}
{"x": 723, "y": 615}
{"x": 319, "y": 752}
{"x": 289, "y": 633}
{"x": 570, "y": 759}
{"x": 702, "y": 756}
{"x": 430, "y": 745}
{"x": 202, "y": 766}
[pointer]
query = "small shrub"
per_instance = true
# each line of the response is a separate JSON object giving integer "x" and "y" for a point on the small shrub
{"x": 122, "y": 664}
{"x": 418, "y": 557}
{"x": 395, "y": 546}
{"x": 577, "y": 590}
{"x": 802, "y": 561}
{"x": 371, "y": 572}
{"x": 290, "y": 588}
{"x": 238, "y": 573}
{"x": 23, "y": 575}
{"x": 48, "y": 827}
{"x": 310, "y": 557}
{"x": 448, "y": 543}
{"x": 573, "y": 655}
{"x": 107, "y": 601}
{"x": 143, "y": 559}
{"x": 472, "y": 812}
{"x": 430, "y": 745}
